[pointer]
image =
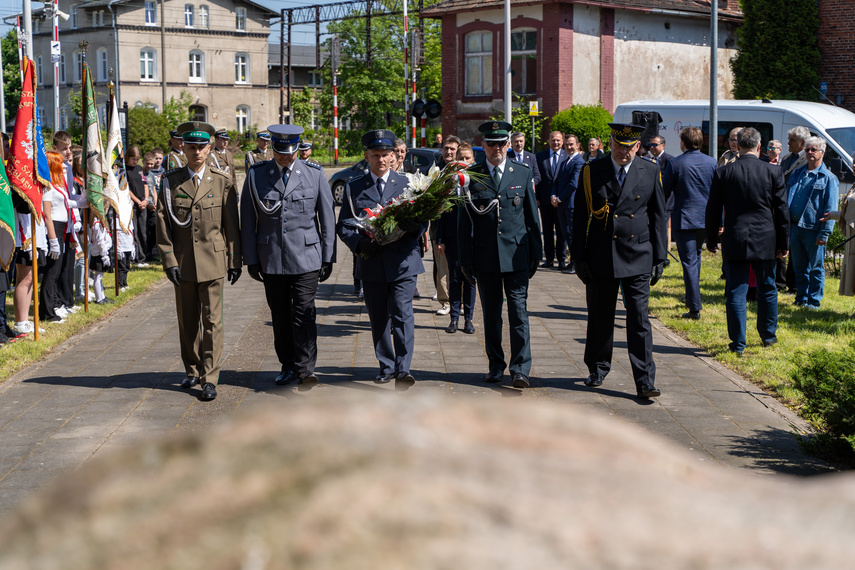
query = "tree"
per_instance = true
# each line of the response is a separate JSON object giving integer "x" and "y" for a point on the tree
{"x": 11, "y": 74}
{"x": 177, "y": 111}
{"x": 584, "y": 121}
{"x": 371, "y": 84}
{"x": 778, "y": 51}
{"x": 147, "y": 128}
{"x": 521, "y": 120}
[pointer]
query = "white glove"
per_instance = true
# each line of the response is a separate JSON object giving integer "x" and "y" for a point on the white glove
{"x": 105, "y": 259}
{"x": 54, "y": 249}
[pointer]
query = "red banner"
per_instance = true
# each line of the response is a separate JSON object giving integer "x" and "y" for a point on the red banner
{"x": 21, "y": 168}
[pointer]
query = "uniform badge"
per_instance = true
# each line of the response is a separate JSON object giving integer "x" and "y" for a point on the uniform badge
{"x": 510, "y": 169}
{"x": 517, "y": 200}
{"x": 180, "y": 212}
{"x": 495, "y": 126}
{"x": 298, "y": 172}
{"x": 378, "y": 135}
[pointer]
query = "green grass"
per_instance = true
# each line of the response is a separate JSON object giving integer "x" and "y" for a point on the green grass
{"x": 799, "y": 330}
{"x": 20, "y": 354}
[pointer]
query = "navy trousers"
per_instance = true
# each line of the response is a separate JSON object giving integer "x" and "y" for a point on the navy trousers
{"x": 689, "y": 244}
{"x": 390, "y": 310}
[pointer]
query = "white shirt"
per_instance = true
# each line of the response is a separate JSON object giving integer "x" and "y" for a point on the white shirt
{"x": 617, "y": 167}
{"x": 500, "y": 167}
{"x": 198, "y": 175}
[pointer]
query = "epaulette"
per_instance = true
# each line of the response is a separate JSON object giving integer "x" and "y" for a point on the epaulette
{"x": 216, "y": 170}
{"x": 174, "y": 170}
{"x": 648, "y": 159}
{"x": 515, "y": 161}
{"x": 313, "y": 164}
{"x": 258, "y": 164}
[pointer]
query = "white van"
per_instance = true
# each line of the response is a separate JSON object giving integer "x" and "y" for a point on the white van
{"x": 772, "y": 118}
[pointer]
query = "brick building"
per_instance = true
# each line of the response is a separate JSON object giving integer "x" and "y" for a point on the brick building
{"x": 567, "y": 52}
{"x": 837, "y": 47}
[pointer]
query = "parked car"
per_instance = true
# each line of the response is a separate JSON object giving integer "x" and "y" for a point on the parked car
{"x": 421, "y": 158}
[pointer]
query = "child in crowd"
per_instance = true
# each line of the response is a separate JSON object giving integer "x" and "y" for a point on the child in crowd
{"x": 152, "y": 181}
{"x": 100, "y": 244}
{"x": 127, "y": 252}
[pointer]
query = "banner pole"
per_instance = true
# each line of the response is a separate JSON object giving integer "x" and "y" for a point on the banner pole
{"x": 34, "y": 245}
{"x": 86, "y": 260}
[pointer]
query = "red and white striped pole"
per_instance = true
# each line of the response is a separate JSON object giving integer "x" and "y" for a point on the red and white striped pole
{"x": 406, "y": 73}
{"x": 56, "y": 125}
{"x": 335, "y": 117}
{"x": 415, "y": 57}
{"x": 20, "y": 47}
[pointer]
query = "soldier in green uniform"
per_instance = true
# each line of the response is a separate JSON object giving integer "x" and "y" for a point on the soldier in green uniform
{"x": 221, "y": 157}
{"x": 175, "y": 157}
{"x": 198, "y": 236}
{"x": 499, "y": 239}
{"x": 262, "y": 150}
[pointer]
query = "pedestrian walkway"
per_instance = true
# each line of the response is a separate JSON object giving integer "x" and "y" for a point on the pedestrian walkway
{"x": 119, "y": 381}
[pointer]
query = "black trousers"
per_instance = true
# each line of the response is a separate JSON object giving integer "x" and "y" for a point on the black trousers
{"x": 492, "y": 287}
{"x": 602, "y": 295}
{"x": 141, "y": 233}
{"x": 553, "y": 234}
{"x": 50, "y": 297}
{"x": 291, "y": 299}
{"x": 459, "y": 289}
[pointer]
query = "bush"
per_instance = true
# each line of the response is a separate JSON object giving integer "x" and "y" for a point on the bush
{"x": 585, "y": 121}
{"x": 827, "y": 381}
{"x": 147, "y": 128}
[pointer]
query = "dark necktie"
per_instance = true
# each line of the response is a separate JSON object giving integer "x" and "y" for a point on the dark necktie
{"x": 554, "y": 161}
{"x": 380, "y": 186}
{"x": 621, "y": 177}
{"x": 497, "y": 177}
{"x": 285, "y": 177}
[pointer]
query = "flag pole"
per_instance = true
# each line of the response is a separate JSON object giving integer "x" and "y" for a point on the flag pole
{"x": 34, "y": 245}
{"x": 86, "y": 260}
{"x": 115, "y": 213}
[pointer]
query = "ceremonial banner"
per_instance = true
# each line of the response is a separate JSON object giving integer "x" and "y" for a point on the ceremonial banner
{"x": 114, "y": 190}
{"x": 7, "y": 221}
{"x": 42, "y": 166}
{"x": 93, "y": 151}
{"x": 22, "y": 169}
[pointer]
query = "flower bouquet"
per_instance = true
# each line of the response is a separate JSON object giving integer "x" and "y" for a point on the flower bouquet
{"x": 425, "y": 198}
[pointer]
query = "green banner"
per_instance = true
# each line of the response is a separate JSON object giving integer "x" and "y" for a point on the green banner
{"x": 93, "y": 149}
{"x": 7, "y": 221}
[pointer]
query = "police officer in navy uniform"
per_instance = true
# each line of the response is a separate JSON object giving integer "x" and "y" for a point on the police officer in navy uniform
{"x": 261, "y": 152}
{"x": 305, "y": 149}
{"x": 624, "y": 248}
{"x": 288, "y": 243}
{"x": 175, "y": 158}
{"x": 500, "y": 247}
{"x": 388, "y": 272}
{"x": 198, "y": 236}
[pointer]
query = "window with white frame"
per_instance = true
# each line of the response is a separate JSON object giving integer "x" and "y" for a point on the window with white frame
{"x": 241, "y": 68}
{"x": 78, "y": 66}
{"x": 39, "y": 79}
{"x": 524, "y": 62}
{"x": 242, "y": 118}
{"x": 203, "y": 17}
{"x": 150, "y": 13}
{"x": 148, "y": 64}
{"x": 315, "y": 79}
{"x": 74, "y": 16}
{"x": 188, "y": 15}
{"x": 240, "y": 19}
{"x": 197, "y": 66}
{"x": 103, "y": 64}
{"x": 479, "y": 63}
{"x": 62, "y": 68}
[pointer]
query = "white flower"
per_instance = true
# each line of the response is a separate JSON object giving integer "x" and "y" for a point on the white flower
{"x": 419, "y": 182}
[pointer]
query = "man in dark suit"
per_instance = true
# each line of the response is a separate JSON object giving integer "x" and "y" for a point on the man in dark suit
{"x": 753, "y": 197}
{"x": 624, "y": 248}
{"x": 520, "y": 154}
{"x": 288, "y": 242}
{"x": 549, "y": 163}
{"x": 388, "y": 272}
{"x": 499, "y": 240}
{"x": 686, "y": 182}
{"x": 564, "y": 192}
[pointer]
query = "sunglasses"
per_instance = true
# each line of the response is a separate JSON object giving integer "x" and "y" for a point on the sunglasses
{"x": 812, "y": 149}
{"x": 651, "y": 145}
{"x": 495, "y": 143}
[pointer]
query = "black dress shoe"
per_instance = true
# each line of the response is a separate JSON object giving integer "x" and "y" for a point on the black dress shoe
{"x": 189, "y": 382}
{"x": 694, "y": 315}
{"x": 208, "y": 391}
{"x": 469, "y": 328}
{"x": 404, "y": 380}
{"x": 645, "y": 391}
{"x": 452, "y": 327}
{"x": 571, "y": 269}
{"x": 771, "y": 342}
{"x": 383, "y": 378}
{"x": 307, "y": 380}
{"x": 594, "y": 380}
{"x": 521, "y": 380}
{"x": 561, "y": 266}
{"x": 494, "y": 376}
{"x": 546, "y": 265}
{"x": 286, "y": 377}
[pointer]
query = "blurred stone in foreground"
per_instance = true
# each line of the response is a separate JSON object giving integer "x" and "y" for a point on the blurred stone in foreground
{"x": 390, "y": 482}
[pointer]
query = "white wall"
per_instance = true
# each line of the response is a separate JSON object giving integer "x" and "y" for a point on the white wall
{"x": 586, "y": 55}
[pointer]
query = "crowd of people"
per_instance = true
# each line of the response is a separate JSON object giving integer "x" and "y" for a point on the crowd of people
{"x": 608, "y": 217}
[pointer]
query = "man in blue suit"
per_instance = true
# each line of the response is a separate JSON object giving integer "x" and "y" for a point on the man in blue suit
{"x": 388, "y": 272}
{"x": 549, "y": 163}
{"x": 564, "y": 192}
{"x": 288, "y": 230}
{"x": 686, "y": 182}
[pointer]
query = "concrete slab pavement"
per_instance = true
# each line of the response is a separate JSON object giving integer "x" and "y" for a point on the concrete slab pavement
{"x": 118, "y": 382}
